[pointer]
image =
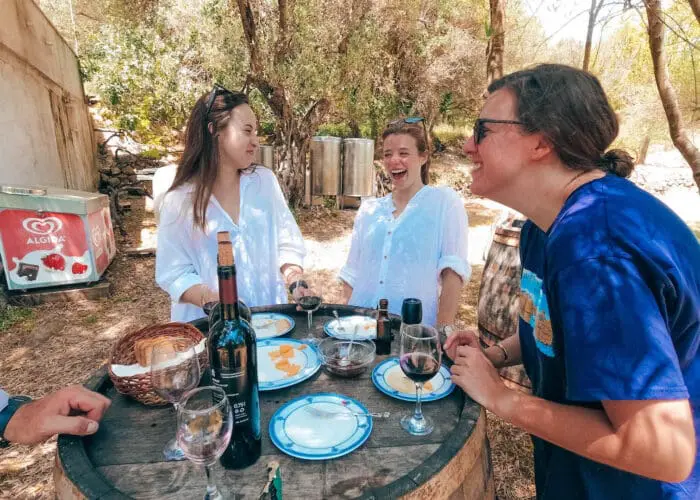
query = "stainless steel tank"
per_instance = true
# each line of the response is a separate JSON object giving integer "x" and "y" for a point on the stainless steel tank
{"x": 265, "y": 155}
{"x": 325, "y": 165}
{"x": 358, "y": 167}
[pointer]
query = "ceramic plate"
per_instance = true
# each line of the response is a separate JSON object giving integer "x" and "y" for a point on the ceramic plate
{"x": 269, "y": 325}
{"x": 320, "y": 426}
{"x": 285, "y": 362}
{"x": 366, "y": 327}
{"x": 388, "y": 378}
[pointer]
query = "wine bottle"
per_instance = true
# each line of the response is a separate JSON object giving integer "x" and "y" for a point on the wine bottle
{"x": 233, "y": 356}
{"x": 411, "y": 313}
{"x": 383, "y": 328}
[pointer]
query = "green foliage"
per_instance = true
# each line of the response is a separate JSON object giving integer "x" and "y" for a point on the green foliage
{"x": 13, "y": 315}
{"x": 153, "y": 154}
{"x": 150, "y": 60}
{"x": 450, "y": 135}
{"x": 335, "y": 130}
{"x": 329, "y": 202}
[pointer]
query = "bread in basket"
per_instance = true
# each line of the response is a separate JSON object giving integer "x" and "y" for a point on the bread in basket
{"x": 133, "y": 351}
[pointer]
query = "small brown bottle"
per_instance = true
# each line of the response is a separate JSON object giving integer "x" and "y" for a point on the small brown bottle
{"x": 383, "y": 328}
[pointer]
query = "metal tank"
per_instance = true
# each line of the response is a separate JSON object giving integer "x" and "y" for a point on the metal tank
{"x": 325, "y": 165}
{"x": 358, "y": 167}
{"x": 265, "y": 155}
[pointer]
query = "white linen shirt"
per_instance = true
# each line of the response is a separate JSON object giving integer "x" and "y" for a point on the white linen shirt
{"x": 265, "y": 238}
{"x": 401, "y": 257}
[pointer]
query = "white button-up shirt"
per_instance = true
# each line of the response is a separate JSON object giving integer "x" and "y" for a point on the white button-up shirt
{"x": 401, "y": 257}
{"x": 265, "y": 238}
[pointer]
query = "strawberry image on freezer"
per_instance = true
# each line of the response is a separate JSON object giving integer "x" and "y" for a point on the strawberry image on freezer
{"x": 78, "y": 268}
{"x": 54, "y": 262}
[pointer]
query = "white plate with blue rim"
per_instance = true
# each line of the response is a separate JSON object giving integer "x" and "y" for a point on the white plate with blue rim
{"x": 388, "y": 377}
{"x": 344, "y": 326}
{"x": 285, "y": 362}
{"x": 270, "y": 324}
{"x": 320, "y": 426}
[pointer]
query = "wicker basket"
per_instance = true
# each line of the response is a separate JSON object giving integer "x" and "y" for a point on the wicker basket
{"x": 139, "y": 386}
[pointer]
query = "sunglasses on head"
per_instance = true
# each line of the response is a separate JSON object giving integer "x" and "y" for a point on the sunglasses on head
{"x": 411, "y": 120}
{"x": 480, "y": 128}
{"x": 217, "y": 90}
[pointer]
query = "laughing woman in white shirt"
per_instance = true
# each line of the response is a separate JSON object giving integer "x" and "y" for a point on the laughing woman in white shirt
{"x": 413, "y": 242}
{"x": 217, "y": 189}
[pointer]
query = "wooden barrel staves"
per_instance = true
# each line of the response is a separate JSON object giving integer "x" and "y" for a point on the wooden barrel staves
{"x": 499, "y": 294}
{"x": 124, "y": 458}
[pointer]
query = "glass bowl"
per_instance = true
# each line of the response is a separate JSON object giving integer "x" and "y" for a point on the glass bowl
{"x": 334, "y": 353}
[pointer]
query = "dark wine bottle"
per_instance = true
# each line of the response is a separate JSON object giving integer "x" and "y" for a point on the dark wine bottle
{"x": 411, "y": 313}
{"x": 383, "y": 328}
{"x": 234, "y": 366}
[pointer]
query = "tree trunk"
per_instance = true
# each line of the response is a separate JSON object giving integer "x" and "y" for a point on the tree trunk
{"x": 643, "y": 150}
{"x": 666, "y": 92}
{"x": 695, "y": 5}
{"x": 295, "y": 132}
{"x": 497, "y": 42}
{"x": 592, "y": 14}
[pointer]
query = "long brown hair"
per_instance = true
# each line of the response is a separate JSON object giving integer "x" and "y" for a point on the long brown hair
{"x": 200, "y": 160}
{"x": 416, "y": 131}
{"x": 570, "y": 108}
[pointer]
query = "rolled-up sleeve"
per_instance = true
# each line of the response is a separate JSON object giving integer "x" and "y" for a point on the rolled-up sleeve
{"x": 349, "y": 272}
{"x": 175, "y": 271}
{"x": 3, "y": 400}
{"x": 453, "y": 251}
{"x": 289, "y": 238}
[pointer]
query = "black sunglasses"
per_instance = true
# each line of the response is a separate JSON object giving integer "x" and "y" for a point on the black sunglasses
{"x": 480, "y": 128}
{"x": 218, "y": 89}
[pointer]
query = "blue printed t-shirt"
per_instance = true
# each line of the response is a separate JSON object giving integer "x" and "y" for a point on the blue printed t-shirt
{"x": 610, "y": 310}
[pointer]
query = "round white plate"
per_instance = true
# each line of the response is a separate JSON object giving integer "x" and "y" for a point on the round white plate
{"x": 388, "y": 378}
{"x": 320, "y": 426}
{"x": 269, "y": 325}
{"x": 272, "y": 377}
{"x": 366, "y": 327}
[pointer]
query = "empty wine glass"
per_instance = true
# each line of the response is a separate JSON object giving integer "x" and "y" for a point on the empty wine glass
{"x": 204, "y": 425}
{"x": 420, "y": 360}
{"x": 174, "y": 371}
{"x": 309, "y": 299}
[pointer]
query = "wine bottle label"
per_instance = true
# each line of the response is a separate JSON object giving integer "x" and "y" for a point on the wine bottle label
{"x": 232, "y": 377}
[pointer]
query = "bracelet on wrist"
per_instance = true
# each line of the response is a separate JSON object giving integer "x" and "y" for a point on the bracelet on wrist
{"x": 503, "y": 349}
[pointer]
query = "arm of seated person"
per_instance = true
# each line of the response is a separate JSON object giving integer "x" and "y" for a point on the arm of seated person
{"x": 199, "y": 295}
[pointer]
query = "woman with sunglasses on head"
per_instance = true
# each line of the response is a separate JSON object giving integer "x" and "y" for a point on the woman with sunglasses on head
{"x": 217, "y": 188}
{"x": 413, "y": 242}
{"x": 609, "y": 302}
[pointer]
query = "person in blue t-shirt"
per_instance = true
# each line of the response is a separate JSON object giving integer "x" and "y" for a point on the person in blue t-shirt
{"x": 610, "y": 298}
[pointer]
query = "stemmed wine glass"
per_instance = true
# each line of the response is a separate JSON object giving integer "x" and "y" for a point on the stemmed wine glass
{"x": 204, "y": 425}
{"x": 420, "y": 360}
{"x": 174, "y": 371}
{"x": 309, "y": 299}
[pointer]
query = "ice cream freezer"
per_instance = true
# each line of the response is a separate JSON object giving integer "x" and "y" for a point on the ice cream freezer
{"x": 51, "y": 237}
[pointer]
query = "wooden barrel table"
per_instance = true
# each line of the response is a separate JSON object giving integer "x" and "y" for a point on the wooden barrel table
{"x": 124, "y": 458}
{"x": 499, "y": 293}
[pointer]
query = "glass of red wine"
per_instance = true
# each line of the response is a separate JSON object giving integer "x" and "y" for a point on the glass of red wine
{"x": 420, "y": 360}
{"x": 204, "y": 426}
{"x": 309, "y": 299}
